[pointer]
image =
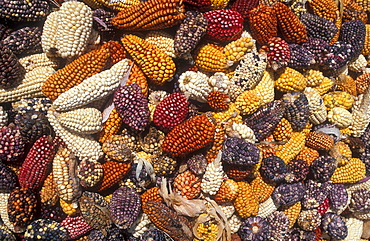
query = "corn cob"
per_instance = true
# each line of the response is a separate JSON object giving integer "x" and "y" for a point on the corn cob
{"x": 37, "y": 163}
{"x": 246, "y": 204}
{"x": 195, "y": 85}
{"x": 48, "y": 192}
{"x": 352, "y": 172}
{"x": 68, "y": 208}
{"x": 213, "y": 177}
{"x": 190, "y": 31}
{"x": 325, "y": 86}
{"x": 290, "y": 25}
{"x": 137, "y": 76}
{"x": 227, "y": 192}
{"x": 235, "y": 50}
{"x": 261, "y": 189}
{"x": 265, "y": 88}
{"x": 220, "y": 82}
{"x": 12, "y": 72}
{"x": 157, "y": 66}
{"x": 74, "y": 73}
{"x": 266, "y": 208}
{"x": 210, "y": 57}
{"x": 3, "y": 117}
{"x": 247, "y": 102}
{"x": 6, "y": 234}
{"x": 292, "y": 212}
{"x": 366, "y": 49}
{"x": 224, "y": 25}
{"x": 346, "y": 83}
{"x": 113, "y": 172}
{"x": 283, "y": 131}
{"x": 76, "y": 226}
{"x": 4, "y": 197}
{"x": 353, "y": 33}
{"x": 319, "y": 27}
{"x": 319, "y": 141}
{"x": 68, "y": 31}
{"x": 206, "y": 230}
{"x": 217, "y": 143}
{"x": 218, "y": 101}
{"x": 290, "y": 150}
{"x": 21, "y": 208}
{"x": 230, "y": 115}
{"x": 317, "y": 109}
{"x": 341, "y": 117}
{"x": 254, "y": 228}
{"x": 166, "y": 219}
{"x": 358, "y": 64}
{"x": 150, "y": 15}
{"x": 241, "y": 131}
{"x": 250, "y": 70}
{"x": 64, "y": 176}
{"x": 309, "y": 220}
{"x": 163, "y": 41}
{"x": 25, "y": 40}
{"x": 338, "y": 99}
{"x": 296, "y": 109}
{"x": 8, "y": 178}
{"x": 187, "y": 184}
{"x": 290, "y": 80}
{"x": 24, "y": 11}
{"x": 198, "y": 5}
{"x": 81, "y": 121}
{"x": 355, "y": 228}
{"x": 12, "y": 145}
{"x": 99, "y": 86}
{"x": 111, "y": 126}
{"x": 45, "y": 229}
{"x": 353, "y": 11}
{"x": 263, "y": 23}
{"x": 142, "y": 226}
{"x": 360, "y": 115}
{"x": 189, "y": 136}
{"x": 362, "y": 83}
{"x": 34, "y": 61}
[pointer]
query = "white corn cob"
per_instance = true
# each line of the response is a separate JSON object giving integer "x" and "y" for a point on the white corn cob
{"x": 64, "y": 175}
{"x": 94, "y": 88}
{"x": 81, "y": 121}
{"x": 360, "y": 114}
{"x": 30, "y": 87}
{"x": 318, "y": 113}
{"x": 85, "y": 147}
{"x": 228, "y": 209}
{"x": 358, "y": 65}
{"x": 4, "y": 210}
{"x": 195, "y": 85}
{"x": 234, "y": 222}
{"x": 250, "y": 70}
{"x": 265, "y": 88}
{"x": 142, "y": 226}
{"x": 34, "y": 61}
{"x": 73, "y": 29}
{"x": 213, "y": 177}
{"x": 219, "y": 82}
{"x": 3, "y": 116}
{"x": 267, "y": 207}
{"x": 49, "y": 34}
{"x": 163, "y": 41}
{"x": 354, "y": 227}
{"x": 340, "y": 117}
{"x": 241, "y": 131}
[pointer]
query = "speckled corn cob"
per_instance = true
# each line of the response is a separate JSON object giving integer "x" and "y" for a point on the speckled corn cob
{"x": 187, "y": 184}
{"x": 263, "y": 23}
{"x": 227, "y": 192}
{"x": 12, "y": 144}
{"x": 167, "y": 220}
{"x": 353, "y": 32}
{"x": 26, "y": 40}
{"x": 250, "y": 70}
{"x": 195, "y": 85}
{"x": 113, "y": 172}
{"x": 241, "y": 131}
{"x": 81, "y": 121}
{"x": 352, "y": 172}
{"x": 6, "y": 234}
{"x": 213, "y": 177}
{"x": 64, "y": 176}
{"x": 83, "y": 146}
{"x": 24, "y": 11}
{"x": 290, "y": 80}
{"x": 70, "y": 29}
{"x": 290, "y": 150}
{"x": 21, "y": 208}
{"x": 189, "y": 136}
{"x": 296, "y": 109}
{"x": 157, "y": 66}
{"x": 246, "y": 204}
{"x": 37, "y": 163}
{"x": 98, "y": 86}
{"x": 210, "y": 57}
{"x": 150, "y": 15}
{"x": 289, "y": 24}
{"x": 45, "y": 229}
{"x": 74, "y": 73}
{"x": 362, "y": 83}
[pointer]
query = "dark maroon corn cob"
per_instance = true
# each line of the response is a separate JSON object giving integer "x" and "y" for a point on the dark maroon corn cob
{"x": 26, "y": 40}
{"x": 288, "y": 194}
{"x": 54, "y": 212}
{"x": 316, "y": 192}
{"x": 4, "y": 31}
{"x": 265, "y": 119}
{"x": 300, "y": 57}
{"x": 199, "y": 5}
{"x": 11, "y": 71}
{"x": 297, "y": 171}
{"x": 224, "y": 25}
{"x": 274, "y": 169}
{"x": 11, "y": 144}
{"x": 334, "y": 225}
{"x": 22, "y": 204}
{"x": 240, "y": 153}
{"x": 76, "y": 226}
{"x": 319, "y": 27}
{"x": 125, "y": 207}
{"x": 171, "y": 111}
{"x": 37, "y": 164}
{"x": 278, "y": 53}
{"x": 132, "y": 106}
{"x": 244, "y": 6}
{"x": 8, "y": 178}
{"x": 319, "y": 48}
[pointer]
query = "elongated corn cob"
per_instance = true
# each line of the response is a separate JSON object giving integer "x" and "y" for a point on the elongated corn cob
{"x": 351, "y": 172}
{"x": 34, "y": 61}
{"x": 290, "y": 150}
{"x": 81, "y": 121}
{"x": 263, "y": 23}
{"x": 246, "y": 204}
{"x": 113, "y": 172}
{"x": 213, "y": 177}
{"x": 210, "y": 57}
{"x": 111, "y": 126}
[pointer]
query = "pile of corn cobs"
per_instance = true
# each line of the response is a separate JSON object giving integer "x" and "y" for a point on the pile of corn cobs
{"x": 185, "y": 120}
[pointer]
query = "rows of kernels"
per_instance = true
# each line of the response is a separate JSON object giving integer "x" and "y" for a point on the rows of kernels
{"x": 83, "y": 121}
{"x": 283, "y": 131}
{"x": 235, "y": 50}
{"x": 246, "y": 204}
{"x": 137, "y": 76}
{"x": 291, "y": 149}
{"x": 163, "y": 41}
{"x": 351, "y": 172}
{"x": 213, "y": 177}
{"x": 290, "y": 80}
{"x": 211, "y": 58}
{"x": 111, "y": 126}
{"x": 195, "y": 85}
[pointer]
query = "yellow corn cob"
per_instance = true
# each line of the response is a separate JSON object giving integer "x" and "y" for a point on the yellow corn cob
{"x": 340, "y": 117}
{"x": 352, "y": 172}
{"x": 137, "y": 76}
{"x": 235, "y": 50}
{"x": 314, "y": 77}
{"x": 34, "y": 61}
{"x": 156, "y": 65}
{"x": 118, "y": 5}
{"x": 111, "y": 126}
{"x": 344, "y": 155}
{"x": 30, "y": 87}
{"x": 247, "y": 102}
{"x": 291, "y": 149}
{"x": 290, "y": 80}
{"x": 163, "y": 41}
{"x": 292, "y": 212}
{"x": 265, "y": 88}
{"x": 81, "y": 121}
{"x": 338, "y": 99}
{"x": 231, "y": 115}
{"x": 346, "y": 83}
{"x": 217, "y": 144}
{"x": 366, "y": 49}
{"x": 358, "y": 64}
{"x": 325, "y": 86}
{"x": 266, "y": 208}
{"x": 48, "y": 193}
{"x": 210, "y": 57}
{"x": 283, "y": 131}
{"x": 207, "y": 230}
{"x": 219, "y": 4}
{"x": 261, "y": 189}
{"x": 68, "y": 208}
{"x": 246, "y": 204}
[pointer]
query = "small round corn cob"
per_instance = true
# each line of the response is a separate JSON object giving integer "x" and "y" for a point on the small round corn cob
{"x": 218, "y": 101}
{"x": 11, "y": 144}
{"x": 323, "y": 168}
{"x": 195, "y": 85}
{"x": 362, "y": 83}
{"x": 296, "y": 109}
{"x": 8, "y": 180}
{"x": 90, "y": 173}
{"x": 338, "y": 99}
{"x": 309, "y": 220}
{"x": 297, "y": 171}
{"x": 290, "y": 80}
{"x": 273, "y": 169}
{"x": 288, "y": 194}
{"x": 254, "y": 228}
{"x": 157, "y": 66}
{"x": 334, "y": 225}
{"x": 341, "y": 117}
{"x": 187, "y": 184}
{"x": 117, "y": 148}
{"x": 316, "y": 193}
{"x": 197, "y": 164}
{"x": 236, "y": 49}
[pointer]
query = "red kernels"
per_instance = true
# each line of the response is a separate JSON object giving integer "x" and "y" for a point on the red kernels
{"x": 218, "y": 101}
